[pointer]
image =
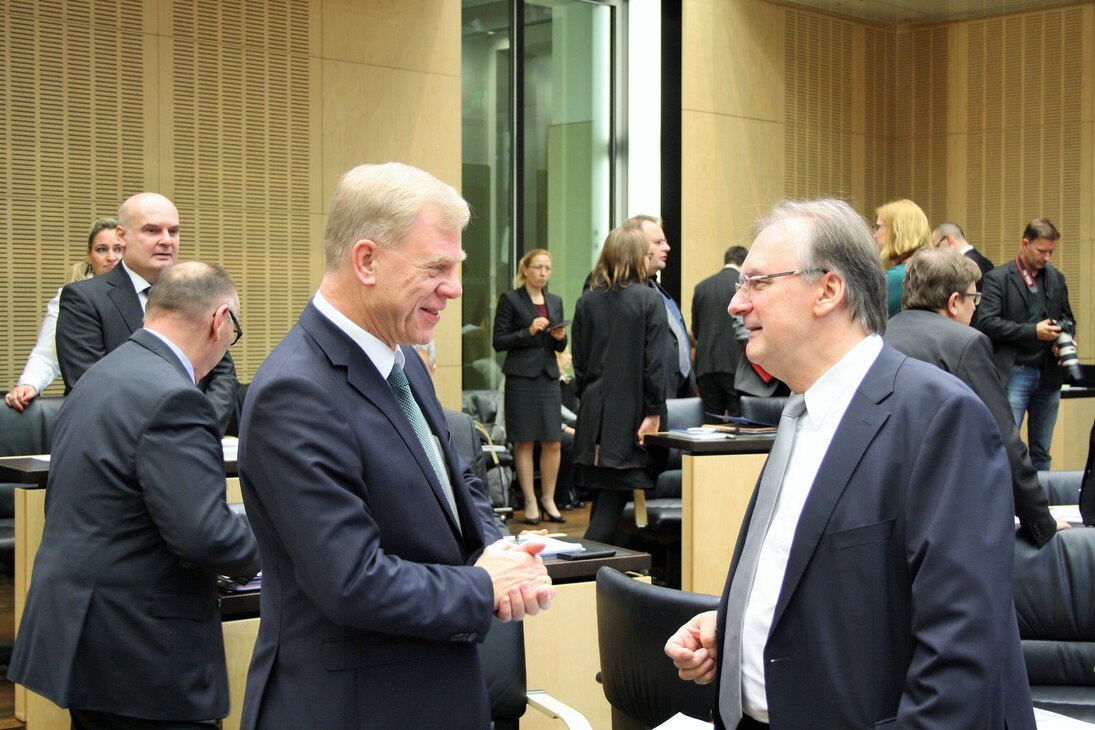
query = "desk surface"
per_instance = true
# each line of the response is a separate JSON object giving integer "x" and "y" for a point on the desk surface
{"x": 246, "y": 604}
{"x": 698, "y": 447}
{"x": 33, "y": 471}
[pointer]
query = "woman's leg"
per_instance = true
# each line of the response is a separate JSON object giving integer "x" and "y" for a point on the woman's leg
{"x": 522, "y": 457}
{"x": 608, "y": 506}
{"x": 549, "y": 472}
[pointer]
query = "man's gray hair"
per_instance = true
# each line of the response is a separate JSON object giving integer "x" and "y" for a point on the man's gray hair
{"x": 381, "y": 203}
{"x": 192, "y": 289}
{"x": 949, "y": 229}
{"x": 839, "y": 242}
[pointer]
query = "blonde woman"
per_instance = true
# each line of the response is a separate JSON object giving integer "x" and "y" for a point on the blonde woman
{"x": 528, "y": 327}
{"x": 104, "y": 251}
{"x": 901, "y": 229}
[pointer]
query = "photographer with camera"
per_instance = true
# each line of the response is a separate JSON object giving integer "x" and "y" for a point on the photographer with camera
{"x": 1026, "y": 313}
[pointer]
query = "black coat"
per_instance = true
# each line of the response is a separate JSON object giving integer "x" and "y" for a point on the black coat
{"x": 717, "y": 348}
{"x": 1002, "y": 316}
{"x": 99, "y": 314}
{"x": 619, "y": 366}
{"x": 527, "y": 355}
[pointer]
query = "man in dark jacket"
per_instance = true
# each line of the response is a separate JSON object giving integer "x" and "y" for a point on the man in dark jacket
{"x": 717, "y": 347}
{"x": 122, "y": 624}
{"x": 939, "y": 299}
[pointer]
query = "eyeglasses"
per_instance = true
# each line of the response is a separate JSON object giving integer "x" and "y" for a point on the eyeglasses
{"x": 746, "y": 285}
{"x": 975, "y": 294}
{"x": 235, "y": 327}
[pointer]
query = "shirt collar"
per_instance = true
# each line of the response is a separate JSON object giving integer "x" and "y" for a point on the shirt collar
{"x": 847, "y": 373}
{"x": 179, "y": 353}
{"x": 382, "y": 356}
{"x": 139, "y": 282}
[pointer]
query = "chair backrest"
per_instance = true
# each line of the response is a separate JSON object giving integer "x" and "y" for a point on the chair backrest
{"x": 763, "y": 409}
{"x": 502, "y": 656}
{"x": 29, "y": 432}
{"x": 1055, "y": 606}
{"x": 682, "y": 413}
{"x": 1062, "y": 487}
{"x": 634, "y": 620}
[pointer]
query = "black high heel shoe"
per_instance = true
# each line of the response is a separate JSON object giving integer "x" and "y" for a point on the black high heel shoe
{"x": 533, "y": 520}
{"x": 550, "y": 517}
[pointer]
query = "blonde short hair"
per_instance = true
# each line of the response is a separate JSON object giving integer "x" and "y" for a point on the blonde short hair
{"x": 381, "y": 203}
{"x": 907, "y": 231}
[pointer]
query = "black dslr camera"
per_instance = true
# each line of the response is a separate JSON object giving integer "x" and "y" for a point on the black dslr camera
{"x": 1066, "y": 349}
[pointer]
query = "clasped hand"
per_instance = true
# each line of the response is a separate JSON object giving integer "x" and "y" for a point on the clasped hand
{"x": 522, "y": 586}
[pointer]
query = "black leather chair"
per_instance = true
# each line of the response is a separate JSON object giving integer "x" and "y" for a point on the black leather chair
{"x": 634, "y": 620}
{"x": 763, "y": 409}
{"x": 1055, "y": 605}
{"x": 502, "y": 655}
{"x": 1062, "y": 487}
{"x": 29, "y": 432}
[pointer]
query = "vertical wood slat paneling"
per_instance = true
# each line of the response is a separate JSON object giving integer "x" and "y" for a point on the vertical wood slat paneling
{"x": 241, "y": 155}
{"x": 818, "y": 122}
{"x": 1025, "y": 67}
{"x": 71, "y": 145}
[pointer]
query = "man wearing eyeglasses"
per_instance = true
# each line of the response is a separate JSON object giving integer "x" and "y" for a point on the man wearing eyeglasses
{"x": 871, "y": 582}
{"x": 938, "y": 303}
{"x": 99, "y": 314}
{"x": 122, "y": 623}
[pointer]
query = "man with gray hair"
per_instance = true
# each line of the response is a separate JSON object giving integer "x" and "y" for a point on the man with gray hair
{"x": 383, "y": 566}
{"x": 938, "y": 303}
{"x": 871, "y": 583}
{"x": 122, "y": 623}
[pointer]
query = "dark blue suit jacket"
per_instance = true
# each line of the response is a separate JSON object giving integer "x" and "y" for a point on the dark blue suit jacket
{"x": 896, "y": 607}
{"x": 371, "y": 608}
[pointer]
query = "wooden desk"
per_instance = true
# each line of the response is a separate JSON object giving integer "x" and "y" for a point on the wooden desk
{"x": 717, "y": 480}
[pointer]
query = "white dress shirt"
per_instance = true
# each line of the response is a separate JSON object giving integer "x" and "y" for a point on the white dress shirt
{"x": 826, "y": 402}
{"x": 42, "y": 366}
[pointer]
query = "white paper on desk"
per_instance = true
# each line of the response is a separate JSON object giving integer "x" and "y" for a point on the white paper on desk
{"x": 1046, "y": 720}
{"x": 41, "y": 457}
{"x": 701, "y": 433}
{"x": 551, "y": 545}
{"x": 1070, "y": 513}
{"x": 680, "y": 721}
{"x": 230, "y": 445}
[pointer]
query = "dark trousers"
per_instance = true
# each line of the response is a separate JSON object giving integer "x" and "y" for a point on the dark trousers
{"x": 93, "y": 720}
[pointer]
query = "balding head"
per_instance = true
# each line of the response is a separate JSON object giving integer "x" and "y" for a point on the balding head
{"x": 148, "y": 225}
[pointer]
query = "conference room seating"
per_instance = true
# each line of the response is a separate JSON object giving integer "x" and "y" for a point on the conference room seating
{"x": 634, "y": 619}
{"x": 763, "y": 409}
{"x": 29, "y": 432}
{"x": 502, "y": 655}
{"x": 1062, "y": 487}
{"x": 1055, "y": 606}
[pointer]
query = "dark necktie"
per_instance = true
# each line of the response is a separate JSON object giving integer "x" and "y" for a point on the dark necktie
{"x": 767, "y": 496}
{"x": 397, "y": 379}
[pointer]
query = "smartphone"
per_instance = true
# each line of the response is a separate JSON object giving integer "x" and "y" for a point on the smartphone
{"x": 587, "y": 554}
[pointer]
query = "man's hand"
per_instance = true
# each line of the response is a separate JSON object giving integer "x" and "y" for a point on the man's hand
{"x": 1047, "y": 330}
{"x": 694, "y": 649}
{"x": 19, "y": 396}
{"x": 521, "y": 583}
{"x": 1062, "y": 524}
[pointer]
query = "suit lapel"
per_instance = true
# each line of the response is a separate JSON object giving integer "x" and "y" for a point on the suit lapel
{"x": 856, "y": 431}
{"x": 363, "y": 377}
{"x": 155, "y": 344}
{"x": 124, "y": 297}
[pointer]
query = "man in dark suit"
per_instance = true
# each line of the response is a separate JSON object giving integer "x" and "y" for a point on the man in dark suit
{"x": 681, "y": 381}
{"x": 1024, "y": 307}
{"x": 99, "y": 314}
{"x": 950, "y": 235}
{"x": 122, "y": 623}
{"x": 871, "y": 584}
{"x": 717, "y": 348}
{"x": 382, "y": 565}
{"x": 938, "y": 303}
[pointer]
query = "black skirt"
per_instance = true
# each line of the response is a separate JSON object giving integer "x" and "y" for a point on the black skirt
{"x": 533, "y": 408}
